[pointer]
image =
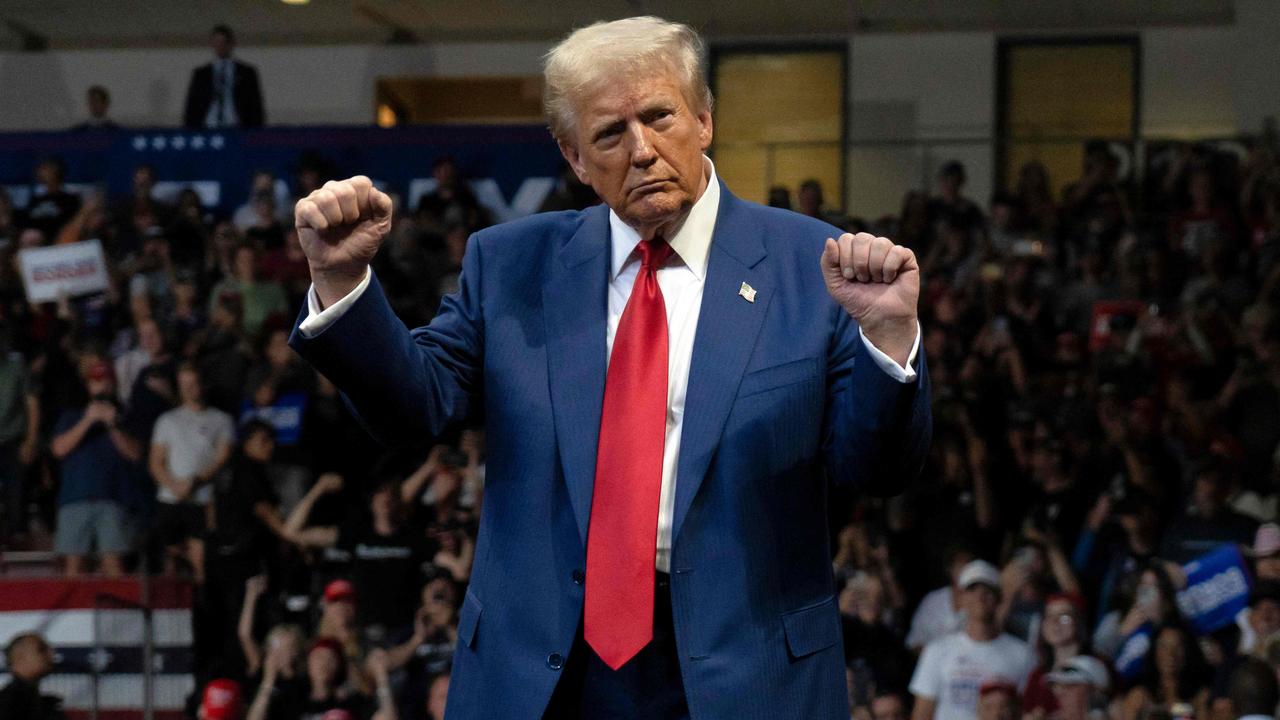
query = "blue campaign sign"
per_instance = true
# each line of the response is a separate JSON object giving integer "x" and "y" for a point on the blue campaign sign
{"x": 285, "y": 415}
{"x": 1217, "y": 589}
{"x": 510, "y": 168}
{"x": 1132, "y": 657}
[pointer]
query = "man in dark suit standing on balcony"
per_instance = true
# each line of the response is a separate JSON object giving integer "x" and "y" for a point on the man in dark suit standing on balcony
{"x": 224, "y": 93}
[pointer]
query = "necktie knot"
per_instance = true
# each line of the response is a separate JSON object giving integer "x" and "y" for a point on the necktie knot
{"x": 654, "y": 253}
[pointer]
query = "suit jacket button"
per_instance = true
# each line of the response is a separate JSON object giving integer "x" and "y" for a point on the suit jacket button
{"x": 555, "y": 661}
{"x": 578, "y": 577}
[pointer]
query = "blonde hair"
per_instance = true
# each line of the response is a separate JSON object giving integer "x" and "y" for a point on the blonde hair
{"x": 597, "y": 54}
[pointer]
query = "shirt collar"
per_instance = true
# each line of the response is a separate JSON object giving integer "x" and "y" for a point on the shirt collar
{"x": 692, "y": 242}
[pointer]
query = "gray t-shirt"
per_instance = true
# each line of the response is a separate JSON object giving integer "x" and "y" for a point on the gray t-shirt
{"x": 191, "y": 439}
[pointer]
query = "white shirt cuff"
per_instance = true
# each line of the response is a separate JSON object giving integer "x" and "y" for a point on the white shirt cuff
{"x": 317, "y": 320}
{"x": 889, "y": 365}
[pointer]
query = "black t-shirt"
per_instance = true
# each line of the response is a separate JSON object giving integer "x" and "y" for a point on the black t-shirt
{"x": 358, "y": 705}
{"x": 387, "y": 572}
{"x": 429, "y": 660}
{"x": 49, "y": 212}
{"x": 239, "y": 530}
{"x": 145, "y": 404}
{"x": 21, "y": 699}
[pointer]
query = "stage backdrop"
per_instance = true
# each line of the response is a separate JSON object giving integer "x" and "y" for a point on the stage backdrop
{"x": 510, "y": 168}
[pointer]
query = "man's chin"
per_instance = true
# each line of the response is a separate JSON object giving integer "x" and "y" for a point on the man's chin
{"x": 652, "y": 210}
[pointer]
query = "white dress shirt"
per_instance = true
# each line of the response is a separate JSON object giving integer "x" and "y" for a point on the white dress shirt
{"x": 681, "y": 281}
{"x": 223, "y": 69}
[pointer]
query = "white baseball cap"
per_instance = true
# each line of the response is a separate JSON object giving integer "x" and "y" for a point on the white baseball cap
{"x": 1082, "y": 670}
{"x": 980, "y": 571}
{"x": 1266, "y": 542}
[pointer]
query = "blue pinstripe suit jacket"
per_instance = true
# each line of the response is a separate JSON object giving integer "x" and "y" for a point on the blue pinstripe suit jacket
{"x": 780, "y": 390}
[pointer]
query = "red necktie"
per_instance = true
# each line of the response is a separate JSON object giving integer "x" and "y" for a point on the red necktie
{"x": 623, "y": 532}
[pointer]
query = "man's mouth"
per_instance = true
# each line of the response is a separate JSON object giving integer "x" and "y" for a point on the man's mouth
{"x": 649, "y": 186}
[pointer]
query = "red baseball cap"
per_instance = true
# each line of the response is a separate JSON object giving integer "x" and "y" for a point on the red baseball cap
{"x": 339, "y": 590}
{"x": 1075, "y": 599}
{"x": 221, "y": 700}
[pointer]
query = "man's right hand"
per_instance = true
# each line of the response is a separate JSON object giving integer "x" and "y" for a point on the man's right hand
{"x": 340, "y": 227}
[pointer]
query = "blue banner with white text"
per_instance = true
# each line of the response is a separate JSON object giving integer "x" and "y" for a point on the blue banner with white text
{"x": 511, "y": 169}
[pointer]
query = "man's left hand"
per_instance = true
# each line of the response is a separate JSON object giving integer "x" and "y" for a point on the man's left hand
{"x": 878, "y": 284}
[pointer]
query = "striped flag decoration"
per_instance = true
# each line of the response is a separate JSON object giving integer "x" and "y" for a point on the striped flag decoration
{"x": 97, "y": 629}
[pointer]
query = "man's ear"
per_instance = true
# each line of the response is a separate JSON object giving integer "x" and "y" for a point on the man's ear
{"x": 574, "y": 158}
{"x": 705, "y": 129}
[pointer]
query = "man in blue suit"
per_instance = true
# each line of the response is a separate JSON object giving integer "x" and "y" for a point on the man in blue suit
{"x": 664, "y": 379}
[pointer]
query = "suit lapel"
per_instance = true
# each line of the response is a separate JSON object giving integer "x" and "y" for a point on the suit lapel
{"x": 727, "y": 328}
{"x": 574, "y": 304}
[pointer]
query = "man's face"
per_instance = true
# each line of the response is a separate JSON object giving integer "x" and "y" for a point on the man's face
{"x": 1073, "y": 700}
{"x": 150, "y": 339}
{"x": 1268, "y": 568}
{"x": 949, "y": 185}
{"x": 100, "y": 386}
{"x": 995, "y": 706}
{"x": 189, "y": 386}
{"x": 47, "y": 174}
{"x": 32, "y": 659}
{"x": 97, "y": 104}
{"x": 221, "y": 45}
{"x": 1264, "y": 618}
{"x": 639, "y": 145}
{"x": 342, "y": 610}
{"x": 259, "y": 446}
{"x": 980, "y": 601}
{"x": 888, "y": 707}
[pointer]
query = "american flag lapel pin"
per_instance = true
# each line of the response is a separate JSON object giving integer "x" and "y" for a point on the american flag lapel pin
{"x": 747, "y": 292}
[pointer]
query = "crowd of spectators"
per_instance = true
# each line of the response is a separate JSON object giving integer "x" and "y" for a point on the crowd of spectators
{"x": 1106, "y": 374}
{"x": 1105, "y": 363}
{"x": 164, "y": 425}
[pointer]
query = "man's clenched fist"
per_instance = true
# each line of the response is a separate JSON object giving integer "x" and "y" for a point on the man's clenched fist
{"x": 340, "y": 227}
{"x": 878, "y": 283}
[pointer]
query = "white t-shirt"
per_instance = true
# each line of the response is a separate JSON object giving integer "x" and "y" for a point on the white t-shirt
{"x": 952, "y": 669}
{"x": 936, "y": 617}
{"x": 191, "y": 439}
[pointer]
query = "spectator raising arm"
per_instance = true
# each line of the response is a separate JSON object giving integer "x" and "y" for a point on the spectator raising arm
{"x": 377, "y": 667}
{"x": 254, "y": 587}
{"x": 295, "y": 530}
{"x": 411, "y": 488}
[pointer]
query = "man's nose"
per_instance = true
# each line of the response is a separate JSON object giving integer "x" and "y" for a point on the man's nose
{"x": 642, "y": 152}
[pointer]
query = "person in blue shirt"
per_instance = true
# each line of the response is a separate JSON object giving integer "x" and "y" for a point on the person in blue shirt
{"x": 97, "y": 458}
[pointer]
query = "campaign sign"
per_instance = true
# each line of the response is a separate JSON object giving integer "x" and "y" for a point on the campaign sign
{"x": 74, "y": 268}
{"x": 285, "y": 415}
{"x": 1217, "y": 589}
{"x": 1132, "y": 656}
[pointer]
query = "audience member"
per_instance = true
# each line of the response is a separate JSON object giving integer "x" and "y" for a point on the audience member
{"x": 28, "y": 659}
{"x": 98, "y": 102}
{"x": 97, "y": 464}
{"x": 952, "y": 668}
{"x": 189, "y": 447}
{"x": 1080, "y": 688}
{"x": 225, "y": 92}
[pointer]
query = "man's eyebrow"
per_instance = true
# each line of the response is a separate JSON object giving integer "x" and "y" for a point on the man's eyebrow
{"x": 605, "y": 126}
